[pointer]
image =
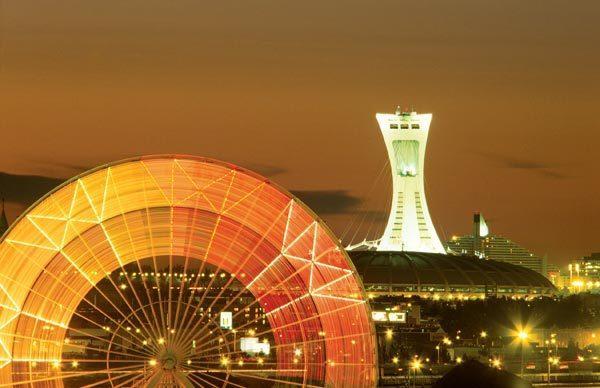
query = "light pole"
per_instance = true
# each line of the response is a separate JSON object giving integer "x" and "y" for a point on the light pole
{"x": 438, "y": 352}
{"x": 522, "y": 337}
{"x": 483, "y": 336}
{"x": 416, "y": 365}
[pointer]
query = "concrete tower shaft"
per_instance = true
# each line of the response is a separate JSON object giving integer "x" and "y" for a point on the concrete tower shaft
{"x": 409, "y": 226}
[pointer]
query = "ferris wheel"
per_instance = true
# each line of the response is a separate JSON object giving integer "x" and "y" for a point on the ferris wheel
{"x": 179, "y": 271}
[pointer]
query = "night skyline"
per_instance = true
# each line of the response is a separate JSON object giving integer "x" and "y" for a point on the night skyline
{"x": 292, "y": 91}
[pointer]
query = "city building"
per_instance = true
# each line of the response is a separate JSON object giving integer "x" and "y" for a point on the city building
{"x": 483, "y": 244}
{"x": 584, "y": 274}
{"x": 445, "y": 277}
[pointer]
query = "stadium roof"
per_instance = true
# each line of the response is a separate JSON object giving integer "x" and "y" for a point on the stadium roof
{"x": 428, "y": 273}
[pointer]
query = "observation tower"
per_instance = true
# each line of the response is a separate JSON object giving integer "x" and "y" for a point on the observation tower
{"x": 409, "y": 227}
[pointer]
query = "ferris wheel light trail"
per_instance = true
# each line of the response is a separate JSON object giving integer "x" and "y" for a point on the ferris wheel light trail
{"x": 121, "y": 276}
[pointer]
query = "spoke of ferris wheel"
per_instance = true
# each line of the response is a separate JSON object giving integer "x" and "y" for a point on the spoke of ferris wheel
{"x": 176, "y": 326}
{"x": 68, "y": 287}
{"x": 185, "y": 268}
{"x": 23, "y": 337}
{"x": 130, "y": 382}
{"x": 157, "y": 331}
{"x": 231, "y": 279}
{"x": 74, "y": 312}
{"x": 68, "y": 375}
{"x": 207, "y": 375}
{"x": 199, "y": 380}
{"x": 112, "y": 380}
{"x": 154, "y": 263}
{"x": 242, "y": 263}
{"x": 270, "y": 330}
{"x": 287, "y": 383}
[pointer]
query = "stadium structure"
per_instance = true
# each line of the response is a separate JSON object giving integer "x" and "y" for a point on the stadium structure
{"x": 179, "y": 271}
{"x": 409, "y": 258}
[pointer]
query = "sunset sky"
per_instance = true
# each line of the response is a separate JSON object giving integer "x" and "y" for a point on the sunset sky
{"x": 290, "y": 90}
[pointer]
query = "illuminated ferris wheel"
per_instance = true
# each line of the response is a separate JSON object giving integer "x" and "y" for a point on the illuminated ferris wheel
{"x": 174, "y": 271}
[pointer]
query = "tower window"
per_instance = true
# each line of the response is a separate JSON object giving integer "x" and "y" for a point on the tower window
{"x": 393, "y": 126}
{"x": 403, "y": 126}
{"x": 415, "y": 126}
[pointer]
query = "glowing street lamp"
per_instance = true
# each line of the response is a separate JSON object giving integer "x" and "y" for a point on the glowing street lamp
{"x": 551, "y": 361}
{"x": 415, "y": 365}
{"x": 522, "y": 335}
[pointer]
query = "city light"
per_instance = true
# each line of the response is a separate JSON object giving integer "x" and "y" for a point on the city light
{"x": 395, "y": 360}
{"x": 483, "y": 334}
{"x": 416, "y": 365}
{"x": 459, "y": 360}
{"x": 152, "y": 362}
{"x": 523, "y": 335}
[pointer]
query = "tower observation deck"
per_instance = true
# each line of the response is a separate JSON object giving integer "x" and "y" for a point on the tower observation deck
{"x": 409, "y": 227}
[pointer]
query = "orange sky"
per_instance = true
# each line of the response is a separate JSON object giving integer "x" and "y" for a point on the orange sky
{"x": 290, "y": 89}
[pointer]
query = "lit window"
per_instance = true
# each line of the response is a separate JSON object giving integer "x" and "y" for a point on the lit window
{"x": 393, "y": 126}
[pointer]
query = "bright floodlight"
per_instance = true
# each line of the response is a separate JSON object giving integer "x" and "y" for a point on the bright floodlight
{"x": 416, "y": 364}
{"x": 523, "y": 335}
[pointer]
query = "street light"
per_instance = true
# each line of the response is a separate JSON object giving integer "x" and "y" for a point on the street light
{"x": 416, "y": 366}
{"x": 522, "y": 337}
{"x": 437, "y": 347}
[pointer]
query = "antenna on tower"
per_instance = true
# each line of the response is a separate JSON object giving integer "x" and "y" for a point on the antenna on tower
{"x": 398, "y": 110}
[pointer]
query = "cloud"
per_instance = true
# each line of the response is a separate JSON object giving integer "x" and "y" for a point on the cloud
{"x": 26, "y": 189}
{"x": 264, "y": 169}
{"x": 543, "y": 169}
{"x": 328, "y": 201}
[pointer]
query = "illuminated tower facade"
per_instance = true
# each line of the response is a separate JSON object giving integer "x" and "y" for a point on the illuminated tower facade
{"x": 409, "y": 227}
